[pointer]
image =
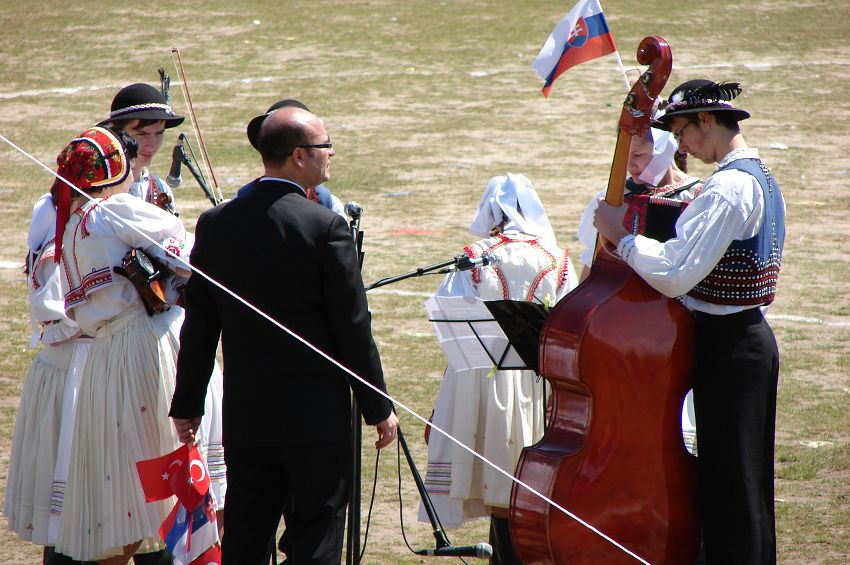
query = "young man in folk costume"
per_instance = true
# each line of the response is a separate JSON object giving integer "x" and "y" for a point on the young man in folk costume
{"x": 144, "y": 112}
{"x": 499, "y": 414}
{"x": 724, "y": 263}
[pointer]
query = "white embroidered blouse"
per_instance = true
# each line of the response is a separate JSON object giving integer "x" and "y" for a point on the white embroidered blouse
{"x": 97, "y": 237}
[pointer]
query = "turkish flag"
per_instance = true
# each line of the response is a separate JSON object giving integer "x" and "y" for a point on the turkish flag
{"x": 181, "y": 472}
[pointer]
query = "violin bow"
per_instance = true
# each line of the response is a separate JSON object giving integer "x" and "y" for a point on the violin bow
{"x": 181, "y": 73}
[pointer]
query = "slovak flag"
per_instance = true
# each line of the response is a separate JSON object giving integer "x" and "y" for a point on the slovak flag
{"x": 190, "y": 531}
{"x": 580, "y": 36}
{"x": 192, "y": 537}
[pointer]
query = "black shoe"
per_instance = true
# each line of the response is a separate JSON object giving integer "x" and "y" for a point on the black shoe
{"x": 503, "y": 546}
{"x": 161, "y": 557}
{"x": 52, "y": 557}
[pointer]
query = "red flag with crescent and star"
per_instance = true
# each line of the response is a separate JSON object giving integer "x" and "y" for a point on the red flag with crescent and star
{"x": 181, "y": 473}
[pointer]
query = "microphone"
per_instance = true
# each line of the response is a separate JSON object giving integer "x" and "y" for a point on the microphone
{"x": 174, "y": 179}
{"x": 467, "y": 263}
{"x": 353, "y": 209}
{"x": 479, "y": 550}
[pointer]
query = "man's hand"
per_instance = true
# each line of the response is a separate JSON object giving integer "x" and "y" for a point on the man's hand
{"x": 387, "y": 431}
{"x": 186, "y": 429}
{"x": 608, "y": 221}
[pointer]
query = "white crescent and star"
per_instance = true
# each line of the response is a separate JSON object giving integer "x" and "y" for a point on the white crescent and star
{"x": 167, "y": 474}
{"x": 199, "y": 465}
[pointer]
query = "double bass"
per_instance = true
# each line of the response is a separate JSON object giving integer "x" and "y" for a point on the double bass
{"x": 619, "y": 358}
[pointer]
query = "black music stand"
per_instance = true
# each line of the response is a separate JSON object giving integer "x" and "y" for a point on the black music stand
{"x": 476, "y": 334}
{"x": 522, "y": 323}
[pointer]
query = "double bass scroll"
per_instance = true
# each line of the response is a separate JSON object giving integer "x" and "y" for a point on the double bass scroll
{"x": 618, "y": 356}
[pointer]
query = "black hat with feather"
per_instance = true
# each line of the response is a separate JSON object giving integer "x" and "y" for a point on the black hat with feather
{"x": 701, "y": 95}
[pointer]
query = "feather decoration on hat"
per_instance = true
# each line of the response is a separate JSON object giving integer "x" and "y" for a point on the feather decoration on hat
{"x": 710, "y": 93}
{"x": 165, "y": 83}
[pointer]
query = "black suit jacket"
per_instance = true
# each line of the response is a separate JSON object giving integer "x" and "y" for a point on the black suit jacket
{"x": 295, "y": 261}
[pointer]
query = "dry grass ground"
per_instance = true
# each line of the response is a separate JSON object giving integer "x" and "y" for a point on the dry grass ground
{"x": 425, "y": 101}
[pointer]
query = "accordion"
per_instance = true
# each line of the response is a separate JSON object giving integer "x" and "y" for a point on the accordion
{"x": 652, "y": 216}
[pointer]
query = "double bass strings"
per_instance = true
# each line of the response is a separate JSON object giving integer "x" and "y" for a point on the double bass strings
{"x": 343, "y": 367}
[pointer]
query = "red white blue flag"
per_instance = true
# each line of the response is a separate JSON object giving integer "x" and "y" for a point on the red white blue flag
{"x": 190, "y": 531}
{"x": 192, "y": 537}
{"x": 580, "y": 36}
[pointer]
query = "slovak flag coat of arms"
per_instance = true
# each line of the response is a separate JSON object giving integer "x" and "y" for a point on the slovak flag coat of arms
{"x": 580, "y": 36}
{"x": 190, "y": 531}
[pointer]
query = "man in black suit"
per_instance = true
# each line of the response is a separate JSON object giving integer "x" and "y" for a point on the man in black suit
{"x": 287, "y": 410}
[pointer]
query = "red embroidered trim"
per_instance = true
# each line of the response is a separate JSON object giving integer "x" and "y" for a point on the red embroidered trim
{"x": 90, "y": 282}
{"x": 502, "y": 280}
{"x": 472, "y": 253}
{"x": 44, "y": 256}
{"x": 564, "y": 269}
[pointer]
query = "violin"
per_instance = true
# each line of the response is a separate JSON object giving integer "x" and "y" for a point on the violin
{"x": 619, "y": 357}
{"x": 147, "y": 276}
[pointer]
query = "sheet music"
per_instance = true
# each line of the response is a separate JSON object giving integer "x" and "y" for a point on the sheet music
{"x": 468, "y": 334}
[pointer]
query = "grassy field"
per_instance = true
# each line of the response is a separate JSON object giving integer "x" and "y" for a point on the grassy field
{"x": 425, "y": 101}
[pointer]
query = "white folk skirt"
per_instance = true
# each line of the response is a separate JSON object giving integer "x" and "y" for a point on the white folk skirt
{"x": 495, "y": 415}
{"x": 34, "y": 442}
{"x": 209, "y": 437}
{"x": 122, "y": 417}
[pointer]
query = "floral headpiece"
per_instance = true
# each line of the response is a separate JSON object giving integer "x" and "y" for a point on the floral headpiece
{"x": 94, "y": 160}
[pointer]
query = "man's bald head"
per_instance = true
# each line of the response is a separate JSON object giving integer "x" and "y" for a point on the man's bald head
{"x": 282, "y": 131}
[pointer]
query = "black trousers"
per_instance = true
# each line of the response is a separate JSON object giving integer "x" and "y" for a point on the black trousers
{"x": 735, "y": 405}
{"x": 309, "y": 485}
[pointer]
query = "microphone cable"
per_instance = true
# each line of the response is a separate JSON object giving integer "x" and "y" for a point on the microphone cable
{"x": 371, "y": 505}
{"x": 401, "y": 509}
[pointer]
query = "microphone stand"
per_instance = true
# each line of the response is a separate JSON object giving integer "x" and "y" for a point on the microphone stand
{"x": 440, "y": 537}
{"x": 352, "y": 544}
{"x": 417, "y": 273}
{"x": 186, "y": 160}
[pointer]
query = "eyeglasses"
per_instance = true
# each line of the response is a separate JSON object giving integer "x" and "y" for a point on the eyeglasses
{"x": 677, "y": 135}
{"x": 317, "y": 146}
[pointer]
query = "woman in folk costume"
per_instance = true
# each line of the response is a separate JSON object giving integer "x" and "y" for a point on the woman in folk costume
{"x": 500, "y": 413}
{"x": 36, "y": 478}
{"x": 657, "y": 174}
{"x": 128, "y": 378}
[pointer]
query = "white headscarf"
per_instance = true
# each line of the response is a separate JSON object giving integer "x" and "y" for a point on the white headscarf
{"x": 43, "y": 223}
{"x": 501, "y": 200}
{"x": 664, "y": 148}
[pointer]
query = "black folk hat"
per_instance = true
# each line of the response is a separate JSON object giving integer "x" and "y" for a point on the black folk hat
{"x": 257, "y": 121}
{"x": 142, "y": 102}
{"x": 701, "y": 95}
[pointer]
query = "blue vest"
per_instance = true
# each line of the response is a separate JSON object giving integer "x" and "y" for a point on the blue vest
{"x": 747, "y": 273}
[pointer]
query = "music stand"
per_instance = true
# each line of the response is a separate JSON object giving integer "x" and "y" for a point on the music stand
{"x": 522, "y": 323}
{"x": 471, "y": 335}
